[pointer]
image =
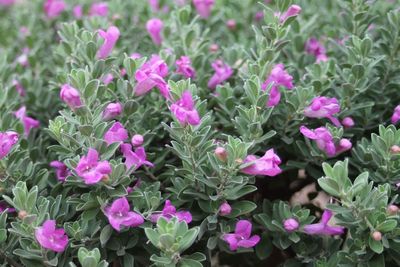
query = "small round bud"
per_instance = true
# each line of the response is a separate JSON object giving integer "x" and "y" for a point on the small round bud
{"x": 105, "y": 179}
{"x": 214, "y": 48}
{"x": 395, "y": 149}
{"x": 348, "y": 122}
{"x": 221, "y": 154}
{"x": 22, "y": 214}
{"x": 392, "y": 209}
{"x": 377, "y": 236}
{"x": 291, "y": 225}
{"x": 137, "y": 140}
{"x": 231, "y": 24}
{"x": 225, "y": 209}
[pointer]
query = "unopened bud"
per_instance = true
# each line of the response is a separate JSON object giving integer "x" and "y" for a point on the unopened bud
{"x": 225, "y": 209}
{"x": 231, "y": 24}
{"x": 214, "y": 48}
{"x": 392, "y": 209}
{"x": 105, "y": 179}
{"x": 291, "y": 225}
{"x": 22, "y": 214}
{"x": 377, "y": 236}
{"x": 395, "y": 149}
{"x": 221, "y": 154}
{"x": 137, "y": 140}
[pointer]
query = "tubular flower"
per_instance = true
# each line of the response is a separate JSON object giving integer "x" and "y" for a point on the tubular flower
{"x": 119, "y": 214}
{"x": 70, "y": 96}
{"x": 27, "y": 121}
{"x": 314, "y": 47}
{"x": 154, "y": 28}
{"x": 53, "y": 8}
{"x": 112, "y": 111}
{"x": 323, "y": 107}
{"x": 62, "y": 171}
{"x": 91, "y": 169}
{"x": 266, "y": 165}
{"x": 110, "y": 37}
{"x": 99, "y": 9}
{"x": 7, "y": 141}
{"x": 184, "y": 67}
{"x": 117, "y": 133}
{"x": 184, "y": 110}
{"x": 241, "y": 238}
{"x": 135, "y": 158}
{"x": 51, "y": 238}
{"x": 222, "y": 73}
{"x": 203, "y": 7}
{"x": 292, "y": 11}
{"x": 169, "y": 211}
{"x": 277, "y": 77}
{"x": 322, "y": 228}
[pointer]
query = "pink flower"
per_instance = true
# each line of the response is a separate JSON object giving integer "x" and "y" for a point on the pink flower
{"x": 135, "y": 55}
{"x": 135, "y": 158}
{"x": 53, "y": 8}
{"x": 99, "y": 9}
{"x": 155, "y": 6}
{"x": 231, "y": 24}
{"x": 117, "y": 133}
{"x": 323, "y": 107}
{"x": 396, "y": 115}
{"x": 23, "y": 58}
{"x": 259, "y": 16}
{"x": 90, "y": 169}
{"x": 119, "y": 214}
{"x": 203, "y": 7}
{"x": 70, "y": 96}
{"x": 137, "y": 140}
{"x": 292, "y": 11}
{"x": 7, "y": 141}
{"x": 184, "y": 67}
{"x": 169, "y": 211}
{"x": 62, "y": 171}
{"x": 154, "y": 28}
{"x": 77, "y": 11}
{"x": 222, "y": 73}
{"x": 51, "y": 238}
{"x": 225, "y": 209}
{"x": 20, "y": 89}
{"x": 325, "y": 141}
{"x": 322, "y": 228}
{"x": 291, "y": 225}
{"x": 241, "y": 238}
{"x": 112, "y": 111}
{"x": 314, "y": 47}
{"x": 7, "y": 2}
{"x": 151, "y": 75}
{"x": 110, "y": 39}
{"x": 27, "y": 121}
{"x": 184, "y": 110}
{"x": 107, "y": 78}
{"x": 348, "y": 122}
{"x": 266, "y": 165}
{"x": 277, "y": 77}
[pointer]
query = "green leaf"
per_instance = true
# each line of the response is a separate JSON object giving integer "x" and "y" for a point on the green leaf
{"x": 105, "y": 234}
{"x": 152, "y": 235}
{"x": 375, "y": 246}
{"x": 387, "y": 225}
{"x": 189, "y": 263}
{"x": 330, "y": 186}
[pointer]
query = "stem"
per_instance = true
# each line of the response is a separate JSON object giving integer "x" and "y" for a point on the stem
{"x": 9, "y": 260}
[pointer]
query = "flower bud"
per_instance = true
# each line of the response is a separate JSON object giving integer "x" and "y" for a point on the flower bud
{"x": 225, "y": 209}
{"x": 213, "y": 48}
{"x": 231, "y": 24}
{"x": 70, "y": 96}
{"x": 112, "y": 110}
{"x": 221, "y": 154}
{"x": 105, "y": 179}
{"x": 377, "y": 236}
{"x": 291, "y": 225}
{"x": 392, "y": 209}
{"x": 348, "y": 122}
{"x": 154, "y": 28}
{"x": 22, "y": 214}
{"x": 395, "y": 149}
{"x": 137, "y": 140}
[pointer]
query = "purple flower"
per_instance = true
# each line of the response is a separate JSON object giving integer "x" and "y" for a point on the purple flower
{"x": 314, "y": 47}
{"x": 184, "y": 67}
{"x": 90, "y": 169}
{"x": 7, "y": 141}
{"x": 323, "y": 107}
{"x": 322, "y": 228}
{"x": 292, "y": 11}
{"x": 203, "y": 7}
{"x": 396, "y": 115}
{"x": 137, "y": 140}
{"x": 7, "y": 2}
{"x": 53, "y": 8}
{"x": 241, "y": 237}
{"x": 154, "y": 28}
{"x": 222, "y": 73}
{"x": 107, "y": 78}
{"x": 77, "y": 11}
{"x": 169, "y": 211}
{"x": 62, "y": 171}
{"x": 135, "y": 158}
{"x": 325, "y": 141}
{"x": 110, "y": 39}
{"x": 348, "y": 122}
{"x": 117, "y": 133}
{"x": 51, "y": 238}
{"x": 27, "y": 121}
{"x": 70, "y": 96}
{"x": 151, "y": 75}
{"x": 277, "y": 77}
{"x": 184, "y": 110}
{"x": 112, "y": 110}
{"x": 225, "y": 209}
{"x": 266, "y": 165}
{"x": 20, "y": 89}
{"x": 4, "y": 206}
{"x": 291, "y": 225}
{"x": 259, "y": 16}
{"x": 99, "y": 9}
{"x": 119, "y": 214}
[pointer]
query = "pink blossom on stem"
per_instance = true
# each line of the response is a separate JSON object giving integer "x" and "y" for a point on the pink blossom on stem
{"x": 119, "y": 214}
{"x": 23, "y": 58}
{"x": 266, "y": 165}
{"x": 110, "y": 39}
{"x": 28, "y": 122}
{"x": 7, "y": 141}
{"x": 222, "y": 73}
{"x": 70, "y": 96}
{"x": 90, "y": 169}
{"x": 117, "y": 133}
{"x": 184, "y": 67}
{"x": 292, "y": 11}
{"x": 77, "y": 11}
{"x": 154, "y": 27}
{"x": 51, "y": 238}
{"x": 231, "y": 24}
{"x": 135, "y": 158}
{"x": 185, "y": 111}
{"x": 99, "y": 9}
{"x": 169, "y": 211}
{"x": 203, "y": 7}
{"x": 241, "y": 238}
{"x": 259, "y": 16}
{"x": 322, "y": 228}
{"x": 62, "y": 171}
{"x": 323, "y": 107}
{"x": 53, "y": 8}
{"x": 112, "y": 111}
{"x": 225, "y": 209}
{"x": 396, "y": 115}
{"x": 278, "y": 77}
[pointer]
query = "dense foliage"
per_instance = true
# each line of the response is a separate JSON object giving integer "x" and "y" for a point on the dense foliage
{"x": 199, "y": 133}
